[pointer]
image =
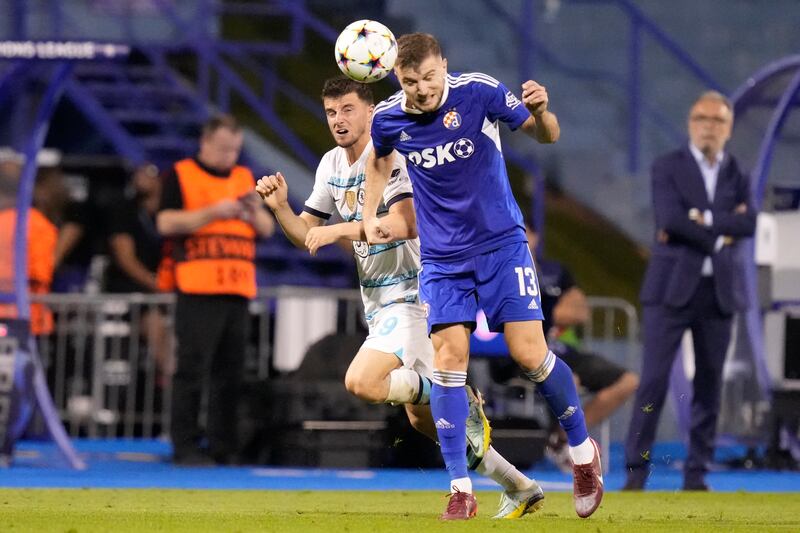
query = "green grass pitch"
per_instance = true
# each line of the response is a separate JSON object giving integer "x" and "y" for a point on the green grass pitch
{"x": 140, "y": 510}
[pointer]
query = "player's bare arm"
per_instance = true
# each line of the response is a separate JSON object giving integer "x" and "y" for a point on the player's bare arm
{"x": 275, "y": 193}
{"x": 320, "y": 236}
{"x": 542, "y": 125}
{"x": 377, "y": 176}
{"x": 400, "y": 223}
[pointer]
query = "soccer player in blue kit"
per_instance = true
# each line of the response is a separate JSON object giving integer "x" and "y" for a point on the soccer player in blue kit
{"x": 473, "y": 245}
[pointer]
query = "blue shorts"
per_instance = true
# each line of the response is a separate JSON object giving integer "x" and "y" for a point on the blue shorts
{"x": 501, "y": 282}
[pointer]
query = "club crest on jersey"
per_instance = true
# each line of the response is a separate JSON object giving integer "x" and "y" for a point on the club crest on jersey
{"x": 452, "y": 120}
{"x": 360, "y": 196}
{"x": 350, "y": 199}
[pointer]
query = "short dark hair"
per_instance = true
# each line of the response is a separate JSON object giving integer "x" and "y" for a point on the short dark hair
{"x": 339, "y": 86}
{"x": 414, "y": 48}
{"x": 221, "y": 121}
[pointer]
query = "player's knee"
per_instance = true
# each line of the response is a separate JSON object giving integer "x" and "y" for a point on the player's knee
{"x": 529, "y": 352}
{"x": 450, "y": 355}
{"x": 361, "y": 386}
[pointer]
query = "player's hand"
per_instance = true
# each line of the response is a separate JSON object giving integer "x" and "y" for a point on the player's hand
{"x": 727, "y": 240}
{"x": 227, "y": 209}
{"x": 372, "y": 229}
{"x": 320, "y": 236}
{"x": 662, "y": 236}
{"x": 740, "y": 209}
{"x": 376, "y": 231}
{"x": 273, "y": 190}
{"x": 535, "y": 98}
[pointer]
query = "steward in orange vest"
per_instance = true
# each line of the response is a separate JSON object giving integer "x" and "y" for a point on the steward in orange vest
{"x": 211, "y": 215}
{"x": 217, "y": 258}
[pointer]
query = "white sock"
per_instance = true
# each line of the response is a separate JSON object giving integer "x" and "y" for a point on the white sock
{"x": 407, "y": 386}
{"x": 462, "y": 484}
{"x": 495, "y": 466}
{"x": 583, "y": 453}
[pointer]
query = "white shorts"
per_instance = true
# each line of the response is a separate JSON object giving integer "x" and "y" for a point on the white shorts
{"x": 402, "y": 329}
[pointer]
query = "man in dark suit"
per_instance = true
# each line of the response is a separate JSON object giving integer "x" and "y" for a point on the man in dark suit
{"x": 702, "y": 207}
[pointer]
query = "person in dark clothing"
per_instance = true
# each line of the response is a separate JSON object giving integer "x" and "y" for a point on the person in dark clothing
{"x": 135, "y": 248}
{"x": 134, "y": 241}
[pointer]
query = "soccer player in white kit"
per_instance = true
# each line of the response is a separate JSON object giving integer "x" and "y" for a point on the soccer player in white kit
{"x": 395, "y": 363}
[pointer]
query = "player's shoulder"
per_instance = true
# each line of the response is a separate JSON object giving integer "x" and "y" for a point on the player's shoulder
{"x": 389, "y": 106}
{"x": 329, "y": 161}
{"x": 472, "y": 80}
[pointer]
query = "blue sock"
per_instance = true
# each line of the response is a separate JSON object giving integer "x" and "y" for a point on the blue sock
{"x": 555, "y": 383}
{"x": 450, "y": 408}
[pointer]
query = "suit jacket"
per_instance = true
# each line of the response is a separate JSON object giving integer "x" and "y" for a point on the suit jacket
{"x": 674, "y": 270}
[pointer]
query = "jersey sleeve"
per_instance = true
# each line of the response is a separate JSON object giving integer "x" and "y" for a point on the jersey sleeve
{"x": 502, "y": 104}
{"x": 320, "y": 203}
{"x": 383, "y": 141}
{"x": 399, "y": 184}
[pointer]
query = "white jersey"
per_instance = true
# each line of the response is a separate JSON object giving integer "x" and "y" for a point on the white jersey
{"x": 388, "y": 273}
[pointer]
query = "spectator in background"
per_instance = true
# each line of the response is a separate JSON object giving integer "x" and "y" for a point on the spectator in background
{"x": 565, "y": 310}
{"x": 210, "y": 207}
{"x": 702, "y": 207}
{"x": 135, "y": 248}
{"x": 134, "y": 241}
{"x": 41, "y": 238}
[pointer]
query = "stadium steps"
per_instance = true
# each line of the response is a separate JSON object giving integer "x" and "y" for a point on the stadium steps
{"x": 149, "y": 111}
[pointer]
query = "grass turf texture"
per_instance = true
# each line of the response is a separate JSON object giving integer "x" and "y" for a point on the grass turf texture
{"x": 86, "y": 510}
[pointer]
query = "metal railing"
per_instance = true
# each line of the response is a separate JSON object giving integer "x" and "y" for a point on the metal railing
{"x": 110, "y": 356}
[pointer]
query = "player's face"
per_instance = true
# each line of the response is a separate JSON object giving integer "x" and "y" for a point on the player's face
{"x": 424, "y": 85}
{"x": 220, "y": 149}
{"x": 710, "y": 123}
{"x": 348, "y": 119}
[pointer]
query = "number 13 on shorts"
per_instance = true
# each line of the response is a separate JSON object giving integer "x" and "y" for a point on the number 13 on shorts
{"x": 527, "y": 281}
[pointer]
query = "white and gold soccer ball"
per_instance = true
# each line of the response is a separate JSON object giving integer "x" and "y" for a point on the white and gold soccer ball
{"x": 366, "y": 51}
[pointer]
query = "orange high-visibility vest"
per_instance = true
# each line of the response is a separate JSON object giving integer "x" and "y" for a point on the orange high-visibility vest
{"x": 219, "y": 257}
{"x": 42, "y": 237}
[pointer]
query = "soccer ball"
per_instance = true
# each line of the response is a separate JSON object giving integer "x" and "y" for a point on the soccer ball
{"x": 366, "y": 51}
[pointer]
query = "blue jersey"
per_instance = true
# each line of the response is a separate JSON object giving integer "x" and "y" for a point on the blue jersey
{"x": 462, "y": 196}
